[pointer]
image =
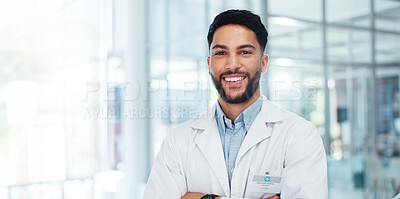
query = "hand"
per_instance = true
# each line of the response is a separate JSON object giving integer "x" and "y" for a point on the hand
{"x": 192, "y": 196}
{"x": 274, "y": 197}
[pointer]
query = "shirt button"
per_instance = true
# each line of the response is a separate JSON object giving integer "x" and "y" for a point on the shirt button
{"x": 236, "y": 134}
{"x": 232, "y": 170}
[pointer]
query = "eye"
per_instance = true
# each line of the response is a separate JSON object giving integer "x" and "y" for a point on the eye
{"x": 245, "y": 52}
{"x": 219, "y": 53}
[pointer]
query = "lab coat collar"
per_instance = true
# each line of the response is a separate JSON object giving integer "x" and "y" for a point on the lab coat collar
{"x": 270, "y": 113}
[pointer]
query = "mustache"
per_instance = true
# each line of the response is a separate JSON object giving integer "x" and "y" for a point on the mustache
{"x": 234, "y": 73}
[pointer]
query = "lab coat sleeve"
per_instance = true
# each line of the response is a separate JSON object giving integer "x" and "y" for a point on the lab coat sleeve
{"x": 167, "y": 180}
{"x": 305, "y": 172}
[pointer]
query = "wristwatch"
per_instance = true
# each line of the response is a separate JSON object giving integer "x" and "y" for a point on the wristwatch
{"x": 209, "y": 196}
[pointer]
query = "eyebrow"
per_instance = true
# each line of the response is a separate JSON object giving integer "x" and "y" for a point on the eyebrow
{"x": 246, "y": 46}
{"x": 239, "y": 47}
{"x": 219, "y": 46}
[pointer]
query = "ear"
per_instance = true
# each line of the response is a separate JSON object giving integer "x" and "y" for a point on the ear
{"x": 264, "y": 62}
{"x": 209, "y": 65}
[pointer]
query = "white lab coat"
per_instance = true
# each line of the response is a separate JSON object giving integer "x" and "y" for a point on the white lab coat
{"x": 191, "y": 158}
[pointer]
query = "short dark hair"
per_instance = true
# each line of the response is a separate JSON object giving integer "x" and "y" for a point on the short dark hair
{"x": 243, "y": 18}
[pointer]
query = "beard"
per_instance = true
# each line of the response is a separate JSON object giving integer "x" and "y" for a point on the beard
{"x": 252, "y": 86}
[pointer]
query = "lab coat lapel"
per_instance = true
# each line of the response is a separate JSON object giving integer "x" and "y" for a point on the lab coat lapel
{"x": 262, "y": 126}
{"x": 258, "y": 132}
{"x": 209, "y": 143}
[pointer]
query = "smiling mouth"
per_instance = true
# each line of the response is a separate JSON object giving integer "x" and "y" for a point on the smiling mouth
{"x": 233, "y": 79}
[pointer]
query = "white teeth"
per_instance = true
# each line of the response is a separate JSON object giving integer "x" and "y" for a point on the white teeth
{"x": 233, "y": 79}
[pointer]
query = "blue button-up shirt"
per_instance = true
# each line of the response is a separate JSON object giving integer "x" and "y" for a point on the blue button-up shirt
{"x": 232, "y": 134}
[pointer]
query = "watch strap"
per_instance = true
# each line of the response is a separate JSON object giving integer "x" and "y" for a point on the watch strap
{"x": 209, "y": 196}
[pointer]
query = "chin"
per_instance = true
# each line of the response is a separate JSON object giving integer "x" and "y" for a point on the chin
{"x": 235, "y": 99}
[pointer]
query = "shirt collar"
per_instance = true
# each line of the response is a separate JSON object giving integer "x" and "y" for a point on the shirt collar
{"x": 247, "y": 116}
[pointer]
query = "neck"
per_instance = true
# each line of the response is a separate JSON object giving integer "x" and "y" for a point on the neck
{"x": 232, "y": 111}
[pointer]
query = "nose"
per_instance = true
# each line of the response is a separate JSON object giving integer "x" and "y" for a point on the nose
{"x": 232, "y": 62}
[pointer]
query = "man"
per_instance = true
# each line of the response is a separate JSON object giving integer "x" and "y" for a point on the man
{"x": 245, "y": 147}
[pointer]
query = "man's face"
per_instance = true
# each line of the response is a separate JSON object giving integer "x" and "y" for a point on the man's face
{"x": 236, "y": 63}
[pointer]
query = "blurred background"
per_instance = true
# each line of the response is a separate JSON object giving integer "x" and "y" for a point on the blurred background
{"x": 90, "y": 88}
